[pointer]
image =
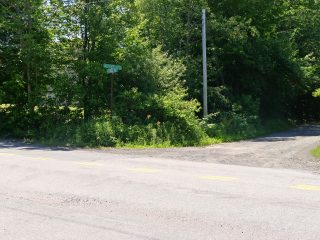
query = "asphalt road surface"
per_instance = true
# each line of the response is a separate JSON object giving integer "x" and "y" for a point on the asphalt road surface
{"x": 59, "y": 193}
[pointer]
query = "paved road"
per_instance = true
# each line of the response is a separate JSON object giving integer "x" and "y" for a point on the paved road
{"x": 52, "y": 193}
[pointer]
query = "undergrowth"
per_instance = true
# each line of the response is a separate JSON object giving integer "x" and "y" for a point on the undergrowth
{"x": 105, "y": 132}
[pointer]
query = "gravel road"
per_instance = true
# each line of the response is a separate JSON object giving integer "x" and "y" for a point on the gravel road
{"x": 288, "y": 149}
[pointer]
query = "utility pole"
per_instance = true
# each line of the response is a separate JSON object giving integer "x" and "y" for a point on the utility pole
{"x": 204, "y": 53}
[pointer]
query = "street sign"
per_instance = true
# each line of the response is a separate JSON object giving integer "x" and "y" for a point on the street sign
{"x": 112, "y": 70}
{"x": 112, "y": 66}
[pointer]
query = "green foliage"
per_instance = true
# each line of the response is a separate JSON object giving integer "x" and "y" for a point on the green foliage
{"x": 151, "y": 71}
{"x": 263, "y": 67}
{"x": 102, "y": 132}
{"x": 316, "y": 93}
{"x": 241, "y": 121}
{"x": 25, "y": 63}
{"x": 170, "y": 109}
{"x": 55, "y": 127}
{"x": 153, "y": 86}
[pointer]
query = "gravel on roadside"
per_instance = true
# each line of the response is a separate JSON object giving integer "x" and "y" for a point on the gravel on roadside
{"x": 288, "y": 149}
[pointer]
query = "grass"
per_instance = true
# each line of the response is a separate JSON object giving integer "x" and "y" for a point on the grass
{"x": 204, "y": 142}
{"x": 316, "y": 152}
{"x": 54, "y": 143}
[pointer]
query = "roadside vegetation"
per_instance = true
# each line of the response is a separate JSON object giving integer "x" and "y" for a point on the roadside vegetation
{"x": 59, "y": 130}
{"x": 263, "y": 70}
{"x": 316, "y": 152}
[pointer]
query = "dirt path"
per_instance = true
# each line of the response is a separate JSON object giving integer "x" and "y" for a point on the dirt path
{"x": 288, "y": 149}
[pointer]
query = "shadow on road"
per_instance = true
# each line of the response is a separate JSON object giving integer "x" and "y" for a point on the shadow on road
{"x": 306, "y": 130}
{"x": 27, "y": 146}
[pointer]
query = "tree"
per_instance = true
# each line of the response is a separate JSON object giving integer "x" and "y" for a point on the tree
{"x": 25, "y": 61}
{"x": 91, "y": 38}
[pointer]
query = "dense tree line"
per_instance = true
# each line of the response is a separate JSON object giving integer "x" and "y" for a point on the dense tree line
{"x": 263, "y": 60}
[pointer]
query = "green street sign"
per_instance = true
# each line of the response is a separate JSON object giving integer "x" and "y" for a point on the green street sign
{"x": 112, "y": 70}
{"x": 112, "y": 66}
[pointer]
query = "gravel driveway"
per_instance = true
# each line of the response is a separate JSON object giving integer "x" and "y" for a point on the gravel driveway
{"x": 287, "y": 149}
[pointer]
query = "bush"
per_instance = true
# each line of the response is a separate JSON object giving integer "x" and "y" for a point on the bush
{"x": 105, "y": 132}
{"x": 241, "y": 121}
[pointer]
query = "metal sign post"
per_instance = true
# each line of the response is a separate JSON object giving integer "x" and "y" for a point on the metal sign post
{"x": 112, "y": 69}
{"x": 112, "y": 94}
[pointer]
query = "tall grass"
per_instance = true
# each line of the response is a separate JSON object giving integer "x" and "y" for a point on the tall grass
{"x": 110, "y": 133}
{"x": 114, "y": 133}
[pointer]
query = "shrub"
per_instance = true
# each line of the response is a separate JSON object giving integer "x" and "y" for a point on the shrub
{"x": 241, "y": 121}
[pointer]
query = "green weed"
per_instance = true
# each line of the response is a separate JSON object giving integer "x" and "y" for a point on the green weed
{"x": 316, "y": 152}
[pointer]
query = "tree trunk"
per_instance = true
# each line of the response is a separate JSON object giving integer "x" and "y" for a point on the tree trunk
{"x": 166, "y": 32}
{"x": 86, "y": 107}
{"x": 188, "y": 34}
{"x": 28, "y": 9}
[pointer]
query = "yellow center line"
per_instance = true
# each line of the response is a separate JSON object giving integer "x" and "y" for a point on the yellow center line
{"x": 144, "y": 170}
{"x": 40, "y": 158}
{"x": 87, "y": 163}
{"x": 9, "y": 154}
{"x": 307, "y": 187}
{"x": 220, "y": 178}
